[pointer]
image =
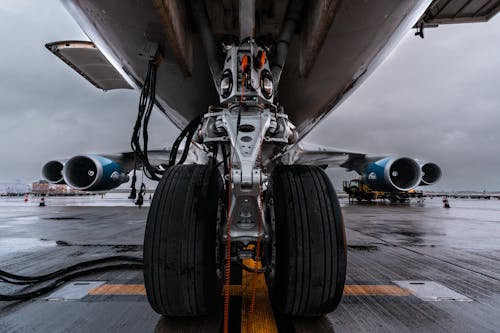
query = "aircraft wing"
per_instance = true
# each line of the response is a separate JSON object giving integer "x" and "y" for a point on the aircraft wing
{"x": 126, "y": 160}
{"x": 88, "y": 61}
{"x": 378, "y": 172}
{"x": 97, "y": 172}
{"x": 328, "y": 157}
{"x": 196, "y": 155}
{"x": 458, "y": 11}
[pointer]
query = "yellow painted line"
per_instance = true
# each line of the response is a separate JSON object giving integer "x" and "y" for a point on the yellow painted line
{"x": 245, "y": 290}
{"x": 262, "y": 319}
{"x": 375, "y": 290}
{"x": 119, "y": 289}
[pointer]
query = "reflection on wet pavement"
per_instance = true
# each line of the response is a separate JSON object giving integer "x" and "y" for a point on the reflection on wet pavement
{"x": 457, "y": 248}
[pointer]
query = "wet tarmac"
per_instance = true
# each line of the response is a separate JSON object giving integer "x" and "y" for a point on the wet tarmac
{"x": 411, "y": 268}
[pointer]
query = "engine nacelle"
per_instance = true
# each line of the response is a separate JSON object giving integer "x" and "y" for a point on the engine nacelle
{"x": 393, "y": 174}
{"x": 93, "y": 173}
{"x": 52, "y": 172}
{"x": 431, "y": 173}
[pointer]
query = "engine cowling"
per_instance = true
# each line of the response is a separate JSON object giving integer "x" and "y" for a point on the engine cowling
{"x": 93, "y": 173}
{"x": 393, "y": 174}
{"x": 431, "y": 173}
{"x": 52, "y": 172}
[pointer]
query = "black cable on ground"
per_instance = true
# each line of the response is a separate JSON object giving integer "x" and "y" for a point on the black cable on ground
{"x": 84, "y": 264}
{"x": 58, "y": 282}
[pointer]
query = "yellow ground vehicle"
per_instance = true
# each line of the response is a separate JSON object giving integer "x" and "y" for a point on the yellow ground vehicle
{"x": 357, "y": 190}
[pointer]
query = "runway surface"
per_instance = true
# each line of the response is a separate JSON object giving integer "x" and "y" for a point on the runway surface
{"x": 411, "y": 268}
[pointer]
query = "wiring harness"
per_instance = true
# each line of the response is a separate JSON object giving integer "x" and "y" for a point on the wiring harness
{"x": 147, "y": 101}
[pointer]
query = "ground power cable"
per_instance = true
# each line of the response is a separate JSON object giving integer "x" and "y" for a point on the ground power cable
{"x": 65, "y": 274}
{"x": 58, "y": 282}
{"x": 59, "y": 272}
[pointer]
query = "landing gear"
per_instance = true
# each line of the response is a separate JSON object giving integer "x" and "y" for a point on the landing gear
{"x": 191, "y": 221}
{"x": 307, "y": 272}
{"x": 180, "y": 241}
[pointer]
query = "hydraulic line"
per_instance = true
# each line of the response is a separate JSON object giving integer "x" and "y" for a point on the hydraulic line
{"x": 146, "y": 103}
{"x": 202, "y": 20}
{"x": 188, "y": 133}
{"x": 290, "y": 24}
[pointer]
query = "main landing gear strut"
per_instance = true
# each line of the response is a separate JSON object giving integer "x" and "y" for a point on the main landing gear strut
{"x": 243, "y": 205}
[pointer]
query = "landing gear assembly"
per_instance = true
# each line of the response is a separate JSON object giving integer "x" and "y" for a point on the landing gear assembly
{"x": 245, "y": 204}
{"x": 204, "y": 217}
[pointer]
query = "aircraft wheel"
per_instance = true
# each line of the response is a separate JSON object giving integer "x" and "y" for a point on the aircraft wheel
{"x": 309, "y": 266}
{"x": 180, "y": 241}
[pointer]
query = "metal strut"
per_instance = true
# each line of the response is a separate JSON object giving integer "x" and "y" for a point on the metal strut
{"x": 249, "y": 126}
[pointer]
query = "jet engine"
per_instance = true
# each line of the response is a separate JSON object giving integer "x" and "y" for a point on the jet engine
{"x": 93, "y": 173}
{"x": 431, "y": 173}
{"x": 393, "y": 174}
{"x": 52, "y": 172}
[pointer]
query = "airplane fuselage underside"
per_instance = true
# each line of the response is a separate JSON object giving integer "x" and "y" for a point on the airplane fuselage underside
{"x": 339, "y": 44}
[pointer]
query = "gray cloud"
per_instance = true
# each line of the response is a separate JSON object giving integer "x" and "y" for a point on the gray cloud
{"x": 436, "y": 99}
{"x": 47, "y": 110}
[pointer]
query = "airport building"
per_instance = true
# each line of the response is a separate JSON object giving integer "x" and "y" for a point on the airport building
{"x": 40, "y": 187}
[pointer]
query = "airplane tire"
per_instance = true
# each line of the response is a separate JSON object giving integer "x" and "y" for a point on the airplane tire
{"x": 309, "y": 239}
{"x": 180, "y": 241}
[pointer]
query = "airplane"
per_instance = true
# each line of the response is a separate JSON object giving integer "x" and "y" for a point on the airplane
{"x": 245, "y": 82}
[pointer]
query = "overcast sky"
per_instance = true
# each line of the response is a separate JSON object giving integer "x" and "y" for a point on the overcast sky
{"x": 436, "y": 99}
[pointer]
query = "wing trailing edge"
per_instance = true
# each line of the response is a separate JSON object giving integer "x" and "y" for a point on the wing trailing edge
{"x": 86, "y": 59}
{"x": 458, "y": 11}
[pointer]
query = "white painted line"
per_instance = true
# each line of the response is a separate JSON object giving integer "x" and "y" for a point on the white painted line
{"x": 431, "y": 291}
{"x": 74, "y": 290}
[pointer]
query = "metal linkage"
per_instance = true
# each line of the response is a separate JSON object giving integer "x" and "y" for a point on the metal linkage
{"x": 247, "y": 175}
{"x": 250, "y": 126}
{"x": 251, "y": 134}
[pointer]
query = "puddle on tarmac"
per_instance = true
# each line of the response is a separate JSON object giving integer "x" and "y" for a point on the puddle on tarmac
{"x": 23, "y": 244}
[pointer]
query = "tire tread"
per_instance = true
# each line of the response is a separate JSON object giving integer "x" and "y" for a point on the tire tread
{"x": 310, "y": 242}
{"x": 179, "y": 242}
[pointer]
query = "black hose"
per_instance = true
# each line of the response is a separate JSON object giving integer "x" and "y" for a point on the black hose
{"x": 58, "y": 282}
{"x": 188, "y": 133}
{"x": 146, "y": 104}
{"x": 293, "y": 15}
{"x": 49, "y": 276}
